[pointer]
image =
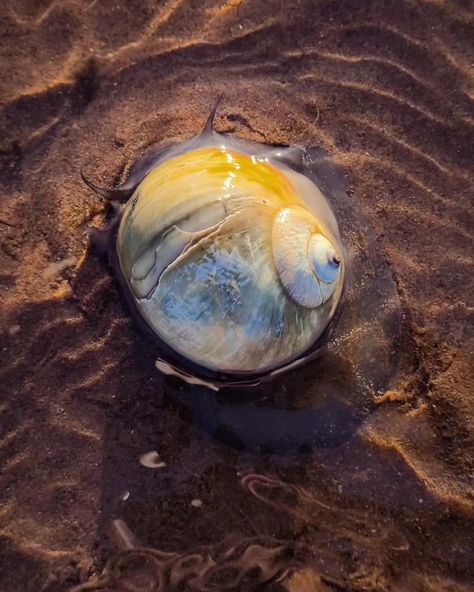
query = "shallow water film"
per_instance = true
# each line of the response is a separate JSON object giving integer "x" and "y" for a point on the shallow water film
{"x": 353, "y": 472}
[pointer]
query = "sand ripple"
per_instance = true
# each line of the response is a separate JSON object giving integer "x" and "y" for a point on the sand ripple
{"x": 386, "y": 89}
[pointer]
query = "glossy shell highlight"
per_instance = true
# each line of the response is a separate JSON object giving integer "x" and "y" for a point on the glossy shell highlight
{"x": 231, "y": 255}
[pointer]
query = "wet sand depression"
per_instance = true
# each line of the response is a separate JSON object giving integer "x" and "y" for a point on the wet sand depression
{"x": 385, "y": 88}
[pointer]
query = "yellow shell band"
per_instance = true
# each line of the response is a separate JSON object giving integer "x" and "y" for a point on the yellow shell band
{"x": 210, "y": 171}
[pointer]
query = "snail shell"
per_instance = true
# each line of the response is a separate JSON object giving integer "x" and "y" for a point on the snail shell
{"x": 232, "y": 258}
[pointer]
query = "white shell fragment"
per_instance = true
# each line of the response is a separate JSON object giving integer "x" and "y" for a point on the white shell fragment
{"x": 151, "y": 460}
{"x": 170, "y": 370}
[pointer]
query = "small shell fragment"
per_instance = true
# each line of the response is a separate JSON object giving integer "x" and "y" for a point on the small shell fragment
{"x": 151, "y": 460}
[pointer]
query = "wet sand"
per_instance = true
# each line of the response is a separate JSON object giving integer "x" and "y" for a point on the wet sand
{"x": 386, "y": 89}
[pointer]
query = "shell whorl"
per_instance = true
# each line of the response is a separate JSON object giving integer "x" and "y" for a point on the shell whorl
{"x": 306, "y": 262}
{"x": 225, "y": 249}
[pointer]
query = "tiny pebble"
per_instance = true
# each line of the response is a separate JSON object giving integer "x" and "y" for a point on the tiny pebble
{"x": 196, "y": 503}
{"x": 151, "y": 460}
{"x": 14, "y": 329}
{"x": 125, "y": 496}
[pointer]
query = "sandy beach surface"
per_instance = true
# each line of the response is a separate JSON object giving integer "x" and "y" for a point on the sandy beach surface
{"x": 384, "y": 499}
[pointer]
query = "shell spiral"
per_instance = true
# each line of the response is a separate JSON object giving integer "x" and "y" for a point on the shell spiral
{"x": 234, "y": 259}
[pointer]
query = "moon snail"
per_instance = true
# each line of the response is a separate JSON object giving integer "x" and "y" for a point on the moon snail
{"x": 230, "y": 256}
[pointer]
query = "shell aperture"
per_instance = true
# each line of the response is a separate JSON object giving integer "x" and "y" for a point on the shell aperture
{"x": 326, "y": 262}
{"x": 231, "y": 257}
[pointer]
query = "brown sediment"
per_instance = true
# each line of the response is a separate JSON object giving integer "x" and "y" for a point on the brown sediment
{"x": 386, "y": 89}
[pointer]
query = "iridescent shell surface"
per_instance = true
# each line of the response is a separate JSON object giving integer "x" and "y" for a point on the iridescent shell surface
{"x": 231, "y": 255}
